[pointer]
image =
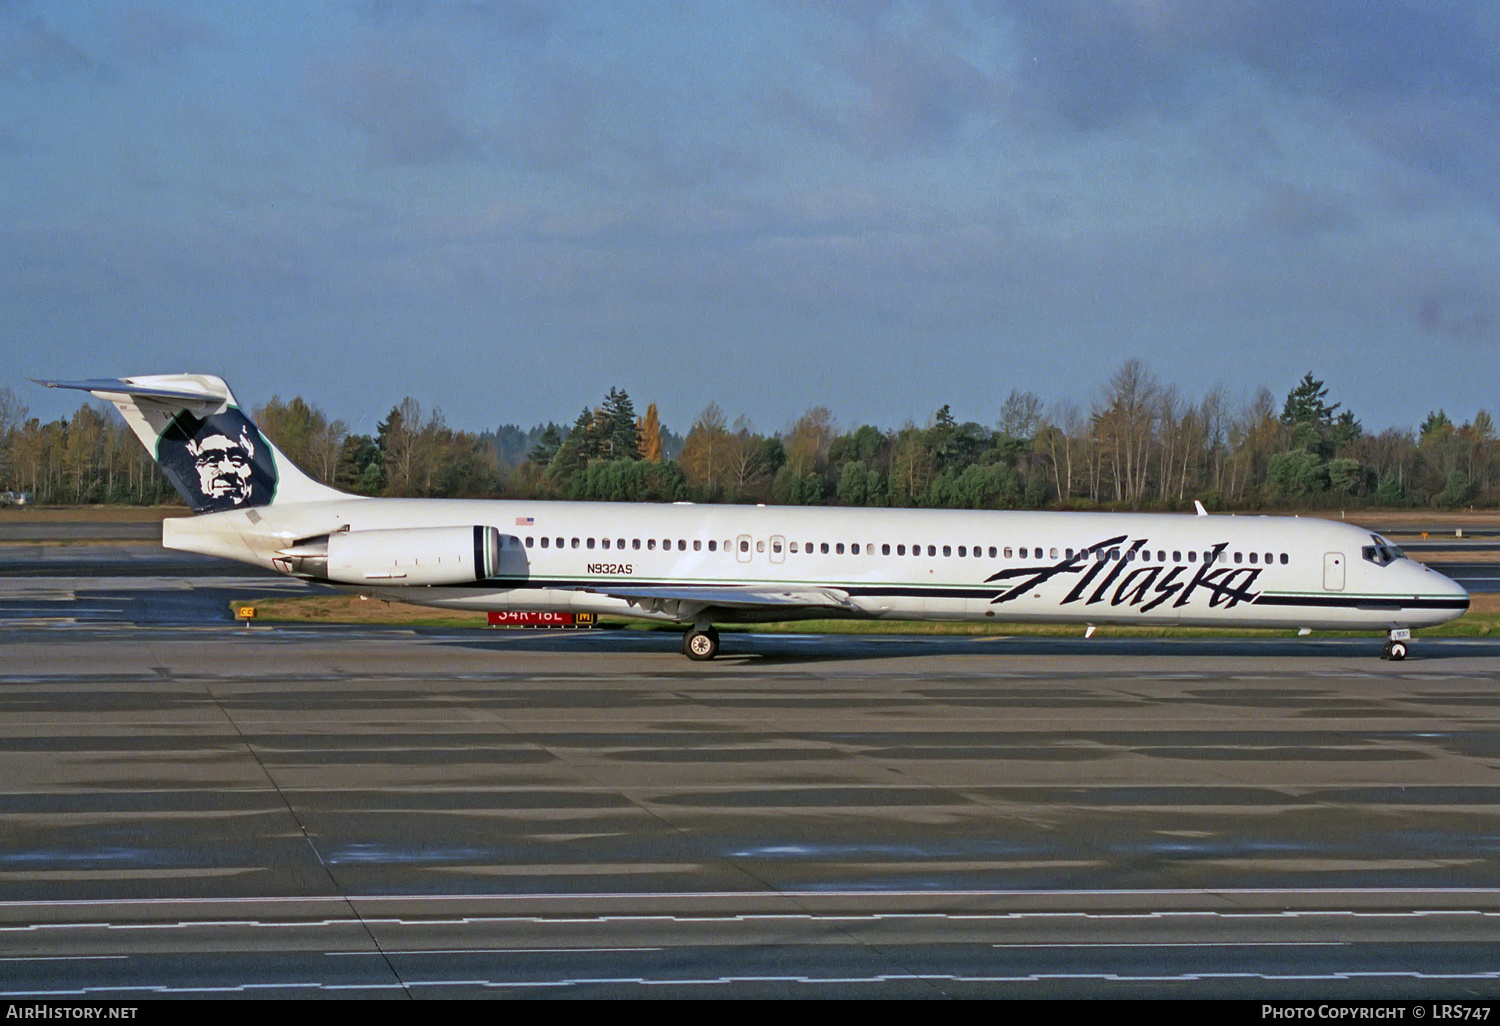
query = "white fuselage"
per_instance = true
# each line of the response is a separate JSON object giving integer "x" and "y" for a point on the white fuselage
{"x": 668, "y": 561}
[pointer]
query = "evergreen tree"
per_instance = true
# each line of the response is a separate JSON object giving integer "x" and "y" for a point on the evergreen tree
{"x": 572, "y": 455}
{"x": 546, "y": 447}
{"x": 1309, "y": 418}
{"x": 1436, "y": 427}
{"x": 1305, "y": 404}
{"x": 359, "y": 466}
{"x": 1346, "y": 431}
{"x": 619, "y": 435}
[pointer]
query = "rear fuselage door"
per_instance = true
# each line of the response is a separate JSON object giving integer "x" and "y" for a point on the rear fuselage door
{"x": 1333, "y": 571}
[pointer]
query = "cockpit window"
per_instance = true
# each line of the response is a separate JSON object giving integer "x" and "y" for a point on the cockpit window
{"x": 1382, "y": 553}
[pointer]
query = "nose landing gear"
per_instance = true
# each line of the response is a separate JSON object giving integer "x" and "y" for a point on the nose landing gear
{"x": 1395, "y": 648}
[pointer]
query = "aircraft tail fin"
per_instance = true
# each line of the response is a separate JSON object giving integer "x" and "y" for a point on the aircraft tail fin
{"x": 207, "y": 448}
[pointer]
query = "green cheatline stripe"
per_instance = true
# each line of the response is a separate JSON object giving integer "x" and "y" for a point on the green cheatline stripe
{"x": 647, "y": 580}
{"x": 907, "y": 586}
{"x": 1348, "y": 594}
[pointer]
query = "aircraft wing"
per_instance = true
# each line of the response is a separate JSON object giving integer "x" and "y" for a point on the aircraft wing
{"x": 728, "y": 596}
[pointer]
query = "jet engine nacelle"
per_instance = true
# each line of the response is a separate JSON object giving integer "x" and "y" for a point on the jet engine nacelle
{"x": 403, "y": 556}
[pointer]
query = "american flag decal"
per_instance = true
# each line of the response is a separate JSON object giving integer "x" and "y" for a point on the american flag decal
{"x": 525, "y": 521}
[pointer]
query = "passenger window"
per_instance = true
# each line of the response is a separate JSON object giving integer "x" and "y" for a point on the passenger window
{"x": 823, "y": 548}
{"x": 698, "y": 545}
{"x": 744, "y": 546}
{"x": 947, "y": 551}
{"x": 589, "y": 543}
{"x": 575, "y": 543}
{"x": 900, "y": 550}
{"x": 1284, "y": 559}
{"x": 1161, "y": 556}
{"x": 1069, "y": 552}
{"x": 775, "y": 545}
{"x": 1054, "y": 554}
{"x": 1254, "y": 557}
{"x": 1238, "y": 558}
{"x": 932, "y": 550}
{"x": 854, "y": 549}
{"x": 681, "y": 544}
{"x": 713, "y": 545}
{"x": 962, "y": 552}
{"x": 885, "y": 550}
{"x": 530, "y": 542}
{"x": 992, "y": 552}
{"x": 1176, "y": 556}
{"x": 1192, "y": 555}
{"x": 544, "y": 543}
{"x": 604, "y": 542}
{"x": 839, "y": 548}
{"x": 793, "y": 547}
{"x": 1007, "y": 552}
{"x": 760, "y": 546}
{"x": 650, "y": 544}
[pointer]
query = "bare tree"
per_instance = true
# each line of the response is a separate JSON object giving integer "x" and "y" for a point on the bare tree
{"x": 1124, "y": 417}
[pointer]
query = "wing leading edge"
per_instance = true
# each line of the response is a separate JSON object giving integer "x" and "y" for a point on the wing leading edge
{"x": 729, "y": 596}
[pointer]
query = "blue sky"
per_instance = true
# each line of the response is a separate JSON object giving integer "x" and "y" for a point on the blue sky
{"x": 506, "y": 207}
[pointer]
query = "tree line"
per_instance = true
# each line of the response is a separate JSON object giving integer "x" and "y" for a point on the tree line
{"x": 1138, "y": 444}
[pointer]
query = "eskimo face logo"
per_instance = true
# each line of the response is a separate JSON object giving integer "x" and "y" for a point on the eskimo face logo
{"x": 218, "y": 463}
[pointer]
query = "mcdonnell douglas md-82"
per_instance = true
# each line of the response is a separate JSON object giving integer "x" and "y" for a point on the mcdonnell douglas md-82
{"x": 705, "y": 564}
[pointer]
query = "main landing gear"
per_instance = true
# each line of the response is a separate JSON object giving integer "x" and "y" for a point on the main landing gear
{"x": 1395, "y": 648}
{"x": 700, "y": 643}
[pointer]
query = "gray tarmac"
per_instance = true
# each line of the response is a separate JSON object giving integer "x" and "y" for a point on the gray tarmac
{"x": 190, "y": 807}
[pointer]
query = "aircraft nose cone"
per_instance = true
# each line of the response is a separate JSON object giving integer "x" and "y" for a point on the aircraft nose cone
{"x": 1459, "y": 591}
{"x": 1451, "y": 590}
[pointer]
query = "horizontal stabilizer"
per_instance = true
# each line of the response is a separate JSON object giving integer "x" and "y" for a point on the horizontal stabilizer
{"x": 103, "y": 387}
